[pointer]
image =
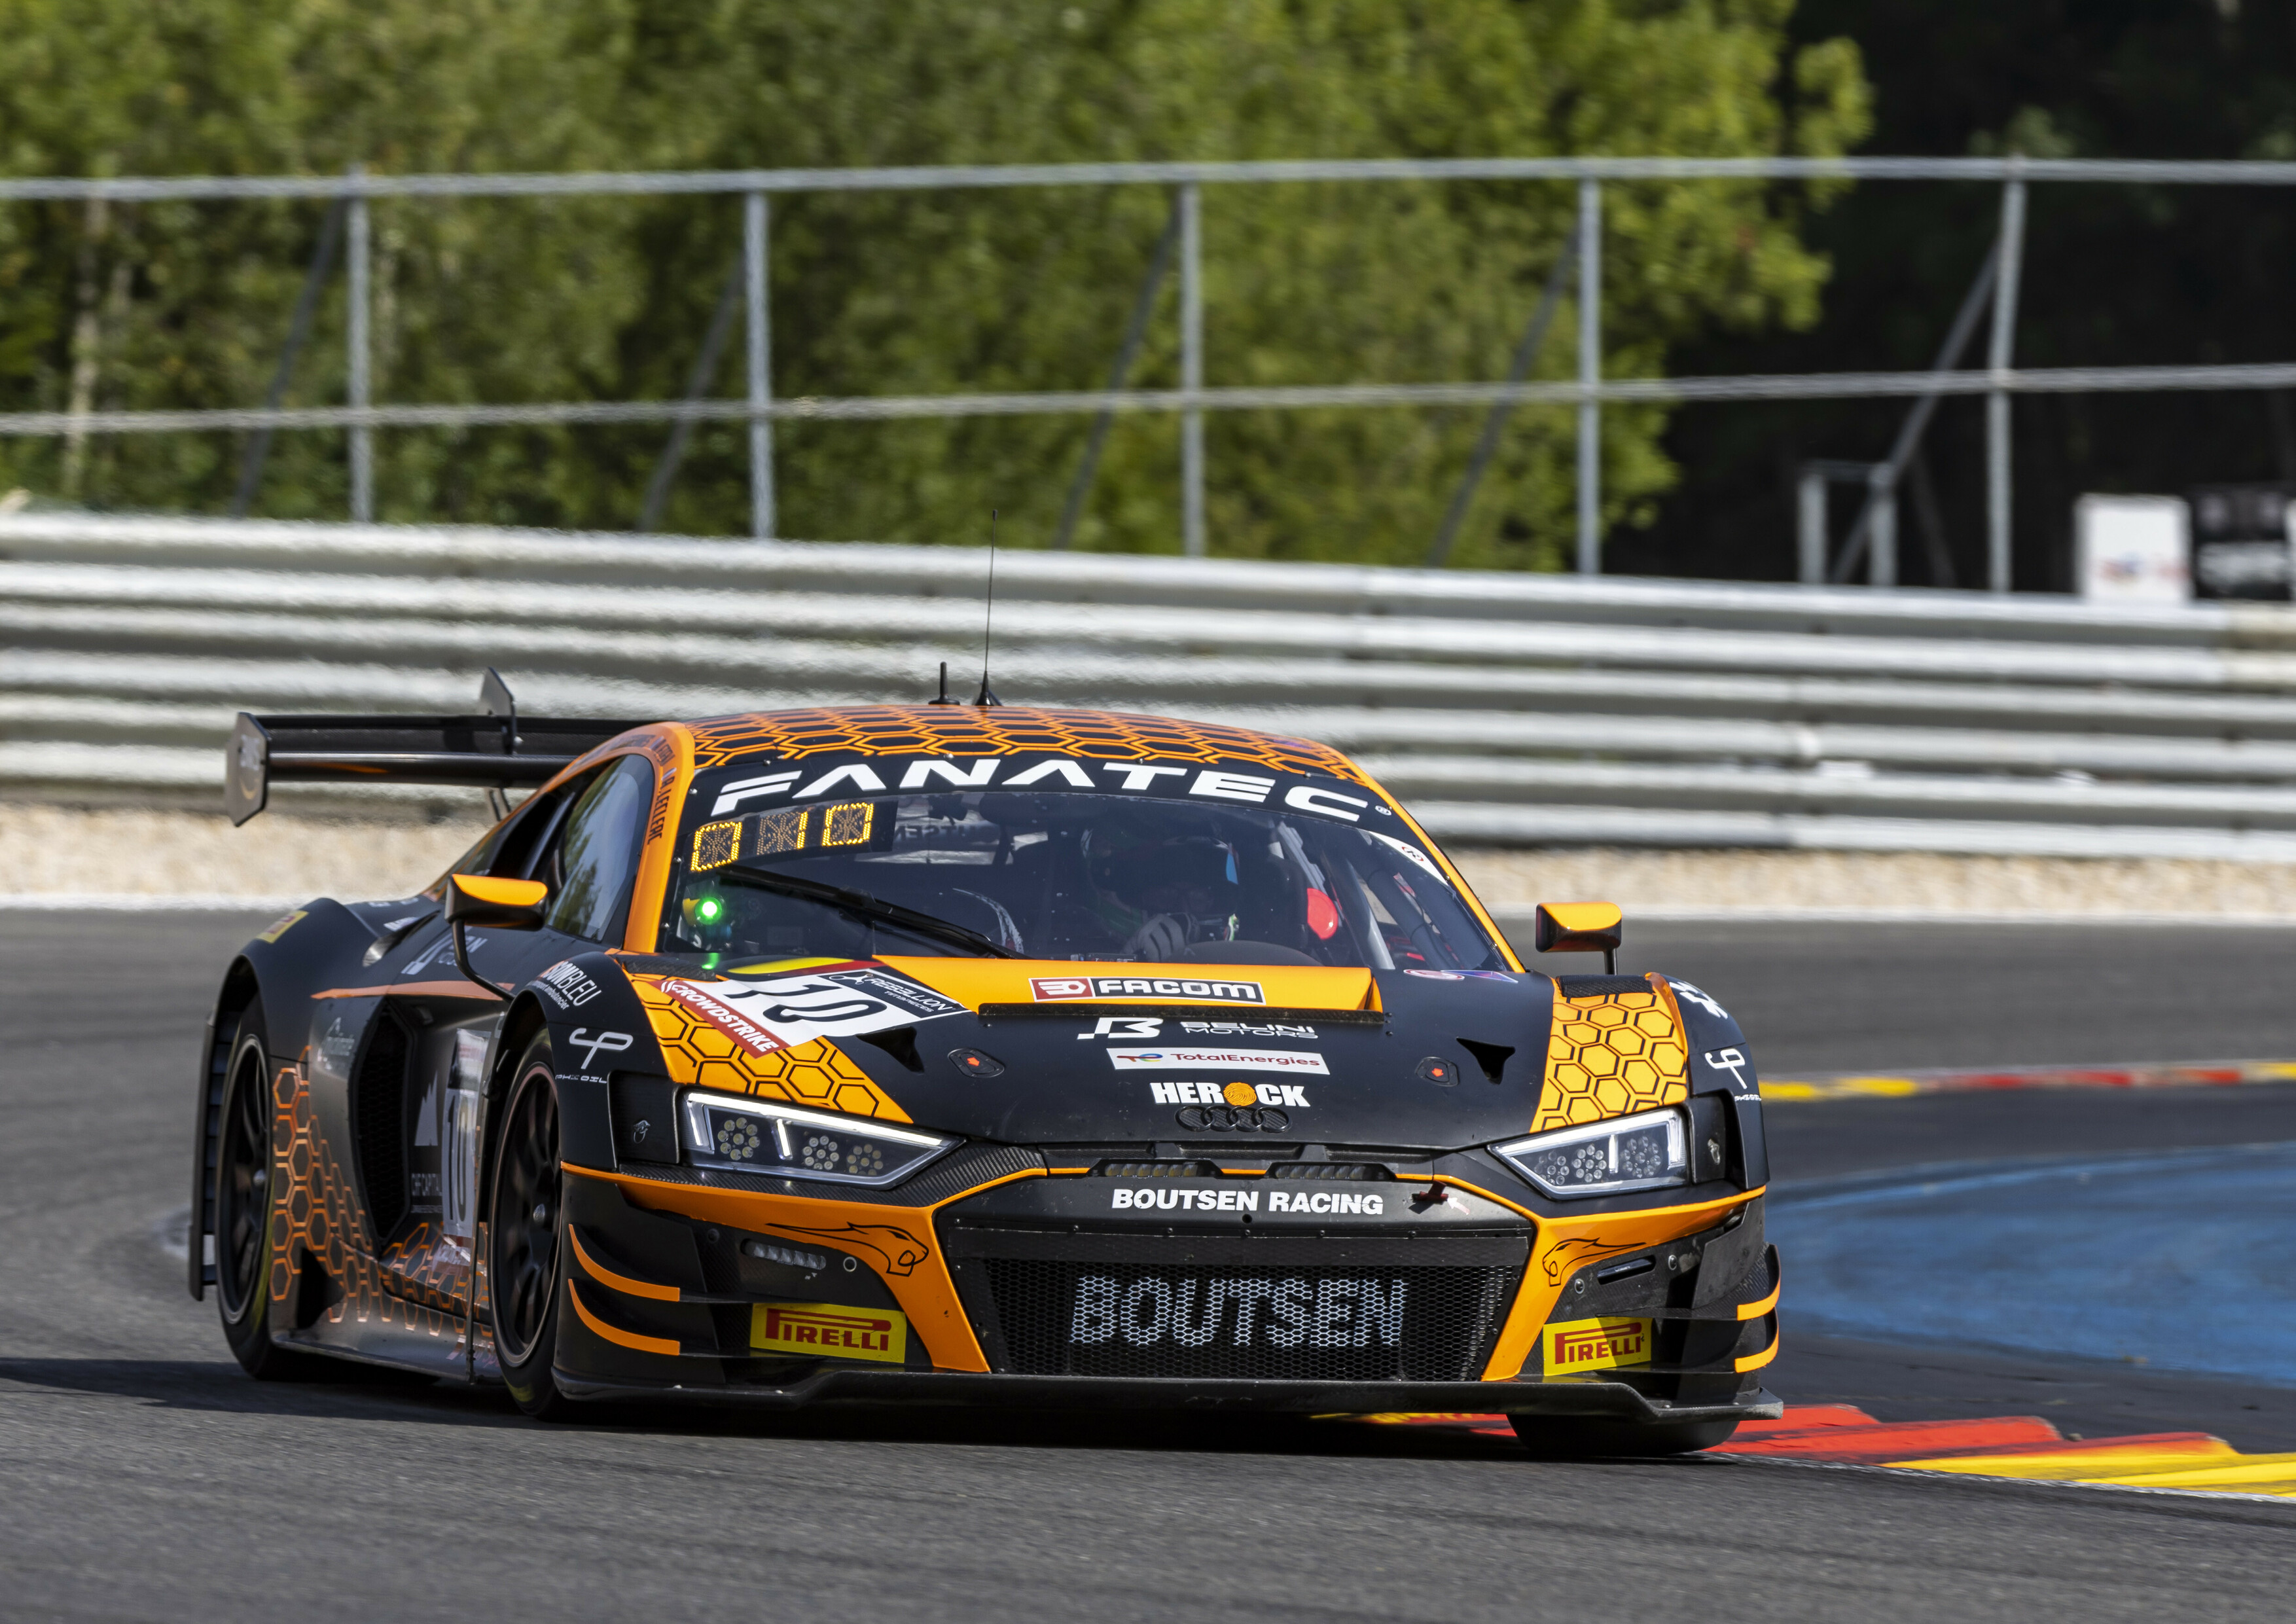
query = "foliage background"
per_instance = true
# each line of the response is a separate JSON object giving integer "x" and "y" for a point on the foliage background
{"x": 2114, "y": 275}
{"x": 150, "y": 306}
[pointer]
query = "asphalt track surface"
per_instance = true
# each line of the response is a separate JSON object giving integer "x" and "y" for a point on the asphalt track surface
{"x": 142, "y": 1476}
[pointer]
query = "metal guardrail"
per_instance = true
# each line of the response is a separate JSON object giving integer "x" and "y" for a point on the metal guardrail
{"x": 1872, "y": 538}
{"x": 1515, "y": 709}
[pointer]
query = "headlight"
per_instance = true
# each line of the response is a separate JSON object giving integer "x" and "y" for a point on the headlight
{"x": 1645, "y": 1151}
{"x": 725, "y": 1130}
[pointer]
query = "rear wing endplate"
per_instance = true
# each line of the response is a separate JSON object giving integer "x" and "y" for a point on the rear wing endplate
{"x": 498, "y": 751}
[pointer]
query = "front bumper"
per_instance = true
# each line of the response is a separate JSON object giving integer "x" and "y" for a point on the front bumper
{"x": 659, "y": 1300}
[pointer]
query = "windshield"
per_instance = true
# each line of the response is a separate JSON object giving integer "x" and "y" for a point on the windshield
{"x": 1068, "y": 875}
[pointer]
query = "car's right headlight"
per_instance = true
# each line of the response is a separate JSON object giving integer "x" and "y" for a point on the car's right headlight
{"x": 1647, "y": 1151}
{"x": 754, "y": 1136}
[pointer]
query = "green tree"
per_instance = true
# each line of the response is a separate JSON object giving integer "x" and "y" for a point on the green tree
{"x": 922, "y": 292}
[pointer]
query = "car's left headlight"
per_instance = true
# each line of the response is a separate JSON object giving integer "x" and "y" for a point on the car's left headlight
{"x": 727, "y": 1130}
{"x": 1647, "y": 1151}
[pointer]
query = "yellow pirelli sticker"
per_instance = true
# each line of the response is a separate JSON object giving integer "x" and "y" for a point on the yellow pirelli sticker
{"x": 282, "y": 926}
{"x": 825, "y": 1330}
{"x": 1595, "y": 1344}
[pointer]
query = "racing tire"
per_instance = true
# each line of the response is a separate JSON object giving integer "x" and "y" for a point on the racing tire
{"x": 244, "y": 1202}
{"x": 526, "y": 1249}
{"x": 1570, "y": 1437}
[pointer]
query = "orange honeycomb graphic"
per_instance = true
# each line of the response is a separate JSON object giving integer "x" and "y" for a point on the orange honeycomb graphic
{"x": 1003, "y": 730}
{"x": 816, "y": 1073}
{"x": 1611, "y": 1055}
{"x": 323, "y": 1215}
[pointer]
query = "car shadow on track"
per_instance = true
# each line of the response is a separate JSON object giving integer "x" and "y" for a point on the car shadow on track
{"x": 370, "y": 1393}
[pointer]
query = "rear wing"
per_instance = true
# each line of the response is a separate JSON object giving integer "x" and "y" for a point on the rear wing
{"x": 498, "y": 751}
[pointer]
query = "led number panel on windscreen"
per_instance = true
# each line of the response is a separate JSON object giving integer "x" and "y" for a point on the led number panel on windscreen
{"x": 791, "y": 829}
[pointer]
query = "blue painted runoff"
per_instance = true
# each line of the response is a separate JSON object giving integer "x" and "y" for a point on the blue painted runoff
{"x": 2185, "y": 1260}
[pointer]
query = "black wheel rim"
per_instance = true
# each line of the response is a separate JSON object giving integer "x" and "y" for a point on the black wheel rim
{"x": 525, "y": 1234}
{"x": 242, "y": 1186}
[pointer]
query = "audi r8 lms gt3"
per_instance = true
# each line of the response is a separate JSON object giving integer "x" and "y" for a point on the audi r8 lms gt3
{"x": 969, "y": 1053}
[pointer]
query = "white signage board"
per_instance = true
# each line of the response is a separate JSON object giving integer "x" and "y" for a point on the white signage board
{"x": 2132, "y": 549}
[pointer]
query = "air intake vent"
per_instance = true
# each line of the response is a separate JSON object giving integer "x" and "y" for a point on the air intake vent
{"x": 1354, "y": 1171}
{"x": 379, "y": 1113}
{"x": 1157, "y": 1170}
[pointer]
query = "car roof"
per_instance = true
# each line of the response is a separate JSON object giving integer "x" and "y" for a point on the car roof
{"x": 1003, "y": 730}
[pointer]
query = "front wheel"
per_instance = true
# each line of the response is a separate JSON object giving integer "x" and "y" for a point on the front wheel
{"x": 525, "y": 1260}
{"x": 1573, "y": 1438}
{"x": 246, "y": 1251}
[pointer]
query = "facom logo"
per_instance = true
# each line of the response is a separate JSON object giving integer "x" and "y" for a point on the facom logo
{"x": 1053, "y": 989}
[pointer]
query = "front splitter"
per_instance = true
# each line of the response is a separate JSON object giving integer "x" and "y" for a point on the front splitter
{"x": 1605, "y": 1400}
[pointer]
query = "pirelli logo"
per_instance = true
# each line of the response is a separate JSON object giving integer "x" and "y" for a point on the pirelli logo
{"x": 1595, "y": 1344}
{"x": 828, "y": 1330}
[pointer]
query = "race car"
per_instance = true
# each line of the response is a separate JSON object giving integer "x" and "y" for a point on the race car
{"x": 968, "y": 1053}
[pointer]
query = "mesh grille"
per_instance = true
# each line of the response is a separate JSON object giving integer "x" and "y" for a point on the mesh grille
{"x": 1344, "y": 1321}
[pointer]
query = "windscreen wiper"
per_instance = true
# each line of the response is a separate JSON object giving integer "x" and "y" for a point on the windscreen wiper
{"x": 861, "y": 905}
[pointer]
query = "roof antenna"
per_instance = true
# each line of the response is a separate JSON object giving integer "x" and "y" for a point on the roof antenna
{"x": 988, "y": 617}
{"x": 944, "y": 699}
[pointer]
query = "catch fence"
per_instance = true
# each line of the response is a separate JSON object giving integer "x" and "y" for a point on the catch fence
{"x": 1870, "y": 544}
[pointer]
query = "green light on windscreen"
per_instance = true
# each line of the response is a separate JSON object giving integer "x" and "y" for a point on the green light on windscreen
{"x": 707, "y": 909}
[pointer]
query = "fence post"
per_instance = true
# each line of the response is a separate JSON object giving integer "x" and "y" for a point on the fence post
{"x": 1192, "y": 368}
{"x": 1590, "y": 374}
{"x": 1882, "y": 526}
{"x": 1810, "y": 532}
{"x": 1997, "y": 400}
{"x": 763, "y": 520}
{"x": 362, "y": 380}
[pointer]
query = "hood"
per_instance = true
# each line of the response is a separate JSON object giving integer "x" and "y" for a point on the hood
{"x": 1057, "y": 1052}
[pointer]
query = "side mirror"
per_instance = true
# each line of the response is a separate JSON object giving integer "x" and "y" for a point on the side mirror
{"x": 1579, "y": 927}
{"x": 499, "y": 905}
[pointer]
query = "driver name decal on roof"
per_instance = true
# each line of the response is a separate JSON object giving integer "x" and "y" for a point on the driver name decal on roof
{"x": 895, "y": 774}
{"x": 785, "y": 1011}
{"x": 1050, "y": 990}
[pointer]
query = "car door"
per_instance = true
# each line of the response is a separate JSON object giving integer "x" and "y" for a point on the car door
{"x": 417, "y": 1094}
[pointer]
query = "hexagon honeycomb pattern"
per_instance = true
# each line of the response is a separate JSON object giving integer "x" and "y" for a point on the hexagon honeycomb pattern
{"x": 1612, "y": 1055}
{"x": 321, "y": 1214}
{"x": 816, "y": 1073}
{"x": 967, "y": 730}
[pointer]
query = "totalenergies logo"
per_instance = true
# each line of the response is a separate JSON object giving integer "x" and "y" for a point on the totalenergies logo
{"x": 827, "y": 1331}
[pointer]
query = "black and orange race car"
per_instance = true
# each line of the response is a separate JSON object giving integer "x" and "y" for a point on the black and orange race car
{"x": 968, "y": 1055}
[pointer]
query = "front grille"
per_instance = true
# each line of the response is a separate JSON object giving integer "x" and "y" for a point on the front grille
{"x": 1207, "y": 1307}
